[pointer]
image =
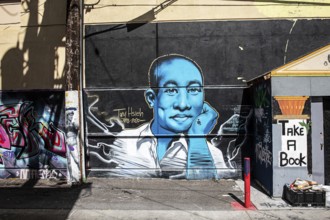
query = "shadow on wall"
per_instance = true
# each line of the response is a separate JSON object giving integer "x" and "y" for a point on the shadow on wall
{"x": 35, "y": 64}
{"x": 33, "y": 156}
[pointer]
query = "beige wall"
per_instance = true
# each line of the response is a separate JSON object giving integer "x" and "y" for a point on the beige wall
{"x": 108, "y": 11}
{"x": 32, "y": 52}
{"x": 10, "y": 12}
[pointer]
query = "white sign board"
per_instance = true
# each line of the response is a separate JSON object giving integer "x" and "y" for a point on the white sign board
{"x": 294, "y": 143}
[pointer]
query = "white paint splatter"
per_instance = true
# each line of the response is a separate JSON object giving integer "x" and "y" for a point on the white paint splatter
{"x": 287, "y": 42}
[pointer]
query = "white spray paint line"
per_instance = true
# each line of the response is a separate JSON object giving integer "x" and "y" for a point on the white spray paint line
{"x": 287, "y": 42}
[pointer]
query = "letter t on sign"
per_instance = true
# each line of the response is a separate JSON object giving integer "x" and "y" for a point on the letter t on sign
{"x": 283, "y": 122}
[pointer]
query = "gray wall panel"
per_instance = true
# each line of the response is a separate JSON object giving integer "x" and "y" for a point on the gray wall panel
{"x": 293, "y": 86}
{"x": 320, "y": 86}
{"x": 301, "y": 86}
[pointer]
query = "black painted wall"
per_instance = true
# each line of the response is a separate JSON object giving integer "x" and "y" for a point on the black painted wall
{"x": 117, "y": 59}
{"x": 224, "y": 49}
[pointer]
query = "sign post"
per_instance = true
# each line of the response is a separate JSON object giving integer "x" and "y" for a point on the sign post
{"x": 247, "y": 187}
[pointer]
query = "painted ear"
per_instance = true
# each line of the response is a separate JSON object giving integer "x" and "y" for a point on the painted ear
{"x": 150, "y": 96}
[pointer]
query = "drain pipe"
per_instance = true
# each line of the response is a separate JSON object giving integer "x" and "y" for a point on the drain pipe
{"x": 81, "y": 85}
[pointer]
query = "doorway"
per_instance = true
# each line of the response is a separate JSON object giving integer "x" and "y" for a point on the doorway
{"x": 326, "y": 116}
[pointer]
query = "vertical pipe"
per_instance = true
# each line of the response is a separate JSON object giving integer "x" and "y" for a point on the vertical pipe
{"x": 247, "y": 182}
{"x": 81, "y": 86}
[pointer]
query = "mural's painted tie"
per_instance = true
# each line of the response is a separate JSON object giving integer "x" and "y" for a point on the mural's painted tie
{"x": 200, "y": 163}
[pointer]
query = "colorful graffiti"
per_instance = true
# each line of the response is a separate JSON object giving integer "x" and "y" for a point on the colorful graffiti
{"x": 179, "y": 141}
{"x": 31, "y": 146}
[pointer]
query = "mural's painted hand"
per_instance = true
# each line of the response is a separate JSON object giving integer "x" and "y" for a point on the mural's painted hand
{"x": 200, "y": 164}
{"x": 204, "y": 123}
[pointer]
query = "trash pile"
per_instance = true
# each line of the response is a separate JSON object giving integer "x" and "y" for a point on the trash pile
{"x": 303, "y": 185}
{"x": 306, "y": 193}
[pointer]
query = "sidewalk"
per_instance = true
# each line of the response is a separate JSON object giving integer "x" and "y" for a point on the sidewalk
{"x": 145, "y": 199}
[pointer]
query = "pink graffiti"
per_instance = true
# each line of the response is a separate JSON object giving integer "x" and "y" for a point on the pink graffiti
{"x": 17, "y": 138}
{"x": 4, "y": 138}
{"x": 31, "y": 147}
{"x": 11, "y": 126}
{"x": 19, "y": 128}
{"x": 54, "y": 140}
{"x": 10, "y": 111}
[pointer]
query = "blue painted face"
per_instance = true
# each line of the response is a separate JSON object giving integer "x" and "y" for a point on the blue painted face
{"x": 180, "y": 96}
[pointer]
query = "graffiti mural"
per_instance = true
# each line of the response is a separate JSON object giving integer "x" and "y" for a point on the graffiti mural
{"x": 179, "y": 139}
{"x": 32, "y": 144}
{"x": 129, "y": 129}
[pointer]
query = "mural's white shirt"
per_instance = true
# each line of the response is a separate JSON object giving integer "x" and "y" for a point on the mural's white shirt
{"x": 135, "y": 152}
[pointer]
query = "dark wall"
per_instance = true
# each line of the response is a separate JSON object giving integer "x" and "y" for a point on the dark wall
{"x": 224, "y": 49}
{"x": 118, "y": 57}
{"x": 262, "y": 136}
{"x": 326, "y": 112}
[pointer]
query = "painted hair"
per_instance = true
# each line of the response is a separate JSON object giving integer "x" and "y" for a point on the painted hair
{"x": 168, "y": 58}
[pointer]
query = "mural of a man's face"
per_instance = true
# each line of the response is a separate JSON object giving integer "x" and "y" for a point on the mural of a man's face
{"x": 180, "y": 96}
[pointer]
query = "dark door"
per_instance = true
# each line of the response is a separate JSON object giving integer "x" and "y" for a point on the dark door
{"x": 326, "y": 115}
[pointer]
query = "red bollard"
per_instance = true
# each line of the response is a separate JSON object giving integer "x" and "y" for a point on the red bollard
{"x": 247, "y": 182}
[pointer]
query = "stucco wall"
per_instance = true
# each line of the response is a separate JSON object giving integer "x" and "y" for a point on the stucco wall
{"x": 32, "y": 51}
{"x": 10, "y": 12}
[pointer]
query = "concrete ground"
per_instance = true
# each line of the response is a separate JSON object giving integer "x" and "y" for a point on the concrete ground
{"x": 143, "y": 199}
